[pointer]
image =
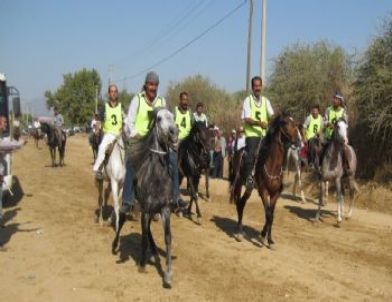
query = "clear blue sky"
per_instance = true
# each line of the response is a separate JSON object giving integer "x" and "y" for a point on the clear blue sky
{"x": 43, "y": 39}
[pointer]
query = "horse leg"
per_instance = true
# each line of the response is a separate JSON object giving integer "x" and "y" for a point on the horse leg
{"x": 116, "y": 197}
{"x": 273, "y": 201}
{"x": 303, "y": 199}
{"x": 326, "y": 193}
{"x": 115, "y": 244}
{"x": 195, "y": 185}
{"x": 153, "y": 246}
{"x": 145, "y": 226}
{"x": 267, "y": 210}
{"x": 190, "y": 181}
{"x": 321, "y": 199}
{"x": 353, "y": 190}
{"x": 207, "y": 181}
{"x": 100, "y": 202}
{"x": 240, "y": 204}
{"x": 166, "y": 226}
{"x": 339, "y": 199}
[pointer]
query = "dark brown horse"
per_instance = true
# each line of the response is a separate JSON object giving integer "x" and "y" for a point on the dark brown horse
{"x": 282, "y": 132}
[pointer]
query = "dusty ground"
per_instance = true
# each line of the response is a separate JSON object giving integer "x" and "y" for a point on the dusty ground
{"x": 54, "y": 251}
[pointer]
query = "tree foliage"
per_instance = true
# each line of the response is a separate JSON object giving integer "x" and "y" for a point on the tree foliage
{"x": 307, "y": 74}
{"x": 222, "y": 108}
{"x": 75, "y": 98}
{"x": 373, "y": 98}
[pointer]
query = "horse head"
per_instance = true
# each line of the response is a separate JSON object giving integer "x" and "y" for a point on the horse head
{"x": 340, "y": 132}
{"x": 287, "y": 129}
{"x": 200, "y": 135}
{"x": 166, "y": 129}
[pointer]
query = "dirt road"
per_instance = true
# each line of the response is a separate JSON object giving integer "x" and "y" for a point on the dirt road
{"x": 54, "y": 251}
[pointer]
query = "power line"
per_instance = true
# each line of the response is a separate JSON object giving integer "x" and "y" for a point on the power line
{"x": 165, "y": 31}
{"x": 202, "y": 34}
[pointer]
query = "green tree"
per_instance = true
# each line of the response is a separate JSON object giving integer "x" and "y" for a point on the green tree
{"x": 75, "y": 98}
{"x": 222, "y": 108}
{"x": 306, "y": 74}
{"x": 373, "y": 98}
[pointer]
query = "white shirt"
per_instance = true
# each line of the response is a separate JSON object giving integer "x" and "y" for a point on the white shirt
{"x": 247, "y": 110}
{"x": 37, "y": 124}
{"x": 200, "y": 118}
{"x": 132, "y": 114}
{"x": 241, "y": 142}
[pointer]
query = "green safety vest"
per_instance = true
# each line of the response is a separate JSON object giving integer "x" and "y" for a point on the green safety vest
{"x": 333, "y": 116}
{"x": 183, "y": 121}
{"x": 143, "y": 121}
{"x": 314, "y": 127}
{"x": 257, "y": 114}
{"x": 113, "y": 119}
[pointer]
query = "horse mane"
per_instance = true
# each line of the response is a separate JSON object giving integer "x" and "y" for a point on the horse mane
{"x": 273, "y": 129}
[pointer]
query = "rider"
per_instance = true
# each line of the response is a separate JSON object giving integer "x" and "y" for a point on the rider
{"x": 312, "y": 128}
{"x": 138, "y": 123}
{"x": 112, "y": 120}
{"x": 199, "y": 115}
{"x": 58, "y": 123}
{"x": 37, "y": 126}
{"x": 183, "y": 116}
{"x": 256, "y": 113}
{"x": 333, "y": 113}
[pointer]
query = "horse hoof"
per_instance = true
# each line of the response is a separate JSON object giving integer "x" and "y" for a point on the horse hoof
{"x": 198, "y": 220}
{"x": 262, "y": 239}
{"x": 142, "y": 269}
{"x": 272, "y": 246}
{"x": 240, "y": 236}
{"x": 167, "y": 281}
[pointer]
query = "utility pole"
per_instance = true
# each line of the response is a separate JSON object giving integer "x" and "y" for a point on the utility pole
{"x": 110, "y": 73}
{"x": 248, "y": 60}
{"x": 263, "y": 54}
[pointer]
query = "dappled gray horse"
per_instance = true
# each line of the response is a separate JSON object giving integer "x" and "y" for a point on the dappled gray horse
{"x": 332, "y": 169}
{"x": 153, "y": 185}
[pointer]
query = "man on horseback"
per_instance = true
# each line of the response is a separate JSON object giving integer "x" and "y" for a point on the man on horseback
{"x": 112, "y": 119}
{"x": 199, "y": 115}
{"x": 256, "y": 113}
{"x": 312, "y": 128}
{"x": 139, "y": 123}
{"x": 183, "y": 117}
{"x": 333, "y": 114}
{"x": 58, "y": 122}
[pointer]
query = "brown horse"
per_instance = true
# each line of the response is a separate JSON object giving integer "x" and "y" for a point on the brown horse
{"x": 282, "y": 132}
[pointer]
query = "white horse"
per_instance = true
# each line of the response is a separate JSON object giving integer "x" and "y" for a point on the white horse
{"x": 332, "y": 169}
{"x": 114, "y": 173}
{"x": 293, "y": 163}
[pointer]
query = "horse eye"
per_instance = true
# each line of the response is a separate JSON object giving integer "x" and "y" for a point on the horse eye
{"x": 159, "y": 118}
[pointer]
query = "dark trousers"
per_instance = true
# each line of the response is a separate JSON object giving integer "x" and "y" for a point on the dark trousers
{"x": 128, "y": 195}
{"x": 218, "y": 165}
{"x": 250, "y": 149}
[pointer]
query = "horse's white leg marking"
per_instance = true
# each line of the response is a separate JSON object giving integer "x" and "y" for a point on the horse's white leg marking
{"x": 339, "y": 198}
